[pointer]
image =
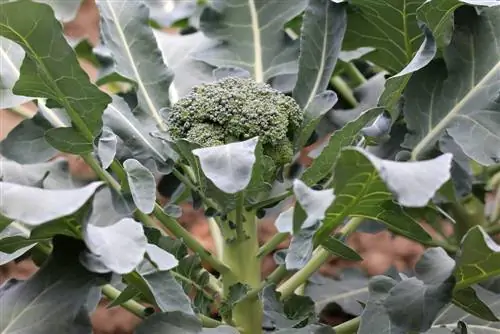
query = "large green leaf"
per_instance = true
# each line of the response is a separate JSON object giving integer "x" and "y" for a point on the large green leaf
{"x": 323, "y": 29}
{"x": 52, "y": 299}
{"x": 251, "y": 36}
{"x": 438, "y": 16}
{"x": 44, "y": 205}
{"x": 125, "y": 31}
{"x": 390, "y": 26}
{"x": 11, "y": 57}
{"x": 462, "y": 100}
{"x": 368, "y": 190}
{"x": 50, "y": 68}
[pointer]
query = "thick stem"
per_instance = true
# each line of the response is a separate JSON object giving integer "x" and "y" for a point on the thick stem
{"x": 348, "y": 327}
{"x": 271, "y": 245}
{"x": 240, "y": 256}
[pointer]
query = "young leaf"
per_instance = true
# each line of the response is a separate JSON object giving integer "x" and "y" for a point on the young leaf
{"x": 323, "y": 29}
{"x": 44, "y": 204}
{"x": 11, "y": 57}
{"x": 478, "y": 258}
{"x": 287, "y": 314}
{"x": 50, "y": 68}
{"x": 170, "y": 322}
{"x": 26, "y": 143}
{"x": 249, "y": 37}
{"x": 300, "y": 249}
{"x": 106, "y": 148}
{"x": 51, "y": 299}
{"x": 325, "y": 162}
{"x": 313, "y": 202}
{"x": 229, "y": 166}
{"x": 461, "y": 101}
{"x": 338, "y": 248}
{"x": 236, "y": 293}
{"x": 162, "y": 259}
{"x": 142, "y": 185}
{"x": 126, "y": 33}
{"x": 120, "y": 247}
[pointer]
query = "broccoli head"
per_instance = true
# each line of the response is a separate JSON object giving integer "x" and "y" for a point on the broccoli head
{"x": 237, "y": 109}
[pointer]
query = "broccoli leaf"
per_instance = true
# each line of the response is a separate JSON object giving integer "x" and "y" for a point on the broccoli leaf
{"x": 52, "y": 300}
{"x": 383, "y": 180}
{"x": 125, "y": 24}
{"x": 460, "y": 94}
{"x": 50, "y": 68}
{"x": 178, "y": 53}
{"x": 323, "y": 29}
{"x": 251, "y": 36}
{"x": 229, "y": 166}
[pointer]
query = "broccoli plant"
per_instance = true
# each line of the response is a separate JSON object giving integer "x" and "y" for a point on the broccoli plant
{"x": 327, "y": 118}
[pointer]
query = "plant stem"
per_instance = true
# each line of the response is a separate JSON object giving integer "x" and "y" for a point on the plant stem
{"x": 102, "y": 173}
{"x": 239, "y": 255}
{"x": 181, "y": 233}
{"x": 344, "y": 90}
{"x": 319, "y": 256}
{"x": 354, "y": 74}
{"x": 270, "y": 246}
{"x": 348, "y": 327}
{"x": 130, "y": 305}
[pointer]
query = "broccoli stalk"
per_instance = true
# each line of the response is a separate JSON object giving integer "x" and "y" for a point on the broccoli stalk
{"x": 236, "y": 109}
{"x": 230, "y": 110}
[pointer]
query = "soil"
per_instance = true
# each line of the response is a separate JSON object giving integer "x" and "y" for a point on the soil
{"x": 379, "y": 251}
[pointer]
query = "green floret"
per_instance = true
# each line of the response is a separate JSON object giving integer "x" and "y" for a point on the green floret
{"x": 236, "y": 109}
